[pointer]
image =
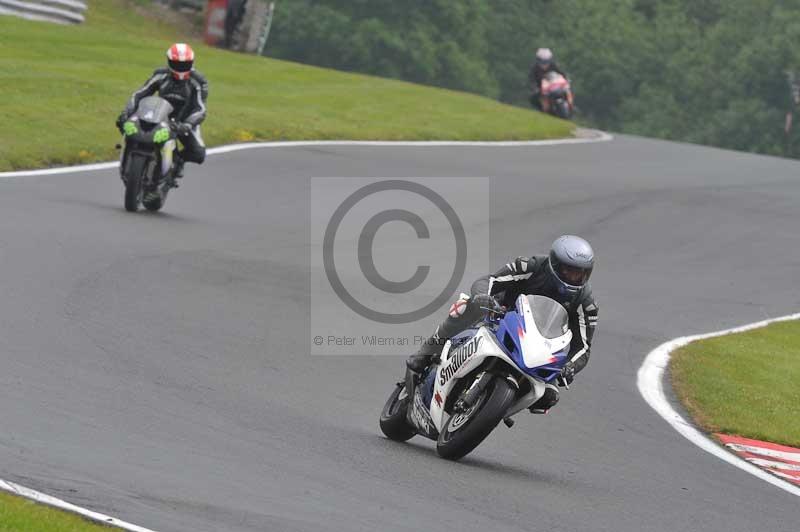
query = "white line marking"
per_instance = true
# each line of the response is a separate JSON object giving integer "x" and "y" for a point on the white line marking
{"x": 63, "y": 505}
{"x": 650, "y": 381}
{"x": 600, "y": 136}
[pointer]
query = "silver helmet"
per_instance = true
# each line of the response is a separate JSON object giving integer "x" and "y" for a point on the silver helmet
{"x": 544, "y": 57}
{"x": 571, "y": 263}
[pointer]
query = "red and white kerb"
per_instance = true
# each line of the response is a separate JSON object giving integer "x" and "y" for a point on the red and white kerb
{"x": 780, "y": 460}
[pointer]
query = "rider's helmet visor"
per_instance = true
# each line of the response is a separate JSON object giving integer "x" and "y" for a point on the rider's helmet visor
{"x": 180, "y": 66}
{"x": 573, "y": 275}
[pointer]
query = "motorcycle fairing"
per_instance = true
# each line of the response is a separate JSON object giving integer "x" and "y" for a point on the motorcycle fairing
{"x": 166, "y": 156}
{"x": 554, "y": 82}
{"x": 456, "y": 364}
{"x": 530, "y": 350}
{"x": 419, "y": 416}
{"x": 154, "y": 110}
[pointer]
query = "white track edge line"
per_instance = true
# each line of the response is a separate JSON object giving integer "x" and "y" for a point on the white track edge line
{"x": 42, "y": 498}
{"x": 650, "y": 381}
{"x": 599, "y": 136}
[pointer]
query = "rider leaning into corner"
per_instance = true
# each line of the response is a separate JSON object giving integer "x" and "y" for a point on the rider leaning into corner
{"x": 563, "y": 275}
{"x": 545, "y": 62}
{"x": 186, "y": 90}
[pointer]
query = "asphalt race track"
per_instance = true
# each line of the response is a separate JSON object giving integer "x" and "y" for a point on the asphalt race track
{"x": 156, "y": 367}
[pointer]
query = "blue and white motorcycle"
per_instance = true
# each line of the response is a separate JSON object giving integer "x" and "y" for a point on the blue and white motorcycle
{"x": 485, "y": 375}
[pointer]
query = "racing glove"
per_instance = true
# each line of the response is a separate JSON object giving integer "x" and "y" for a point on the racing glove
{"x": 121, "y": 119}
{"x": 567, "y": 375}
{"x": 487, "y": 302}
{"x": 182, "y": 128}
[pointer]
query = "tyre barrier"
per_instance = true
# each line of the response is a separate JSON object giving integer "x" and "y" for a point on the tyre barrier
{"x": 58, "y": 11}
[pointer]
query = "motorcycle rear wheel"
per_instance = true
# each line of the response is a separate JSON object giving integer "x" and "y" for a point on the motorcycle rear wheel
{"x": 393, "y": 417}
{"x": 474, "y": 426}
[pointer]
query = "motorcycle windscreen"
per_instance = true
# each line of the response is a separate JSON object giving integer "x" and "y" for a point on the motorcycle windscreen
{"x": 549, "y": 315}
{"x": 535, "y": 335}
{"x": 154, "y": 110}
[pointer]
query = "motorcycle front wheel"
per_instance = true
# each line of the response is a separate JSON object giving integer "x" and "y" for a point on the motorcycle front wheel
{"x": 466, "y": 430}
{"x": 133, "y": 182}
{"x": 563, "y": 110}
{"x": 393, "y": 417}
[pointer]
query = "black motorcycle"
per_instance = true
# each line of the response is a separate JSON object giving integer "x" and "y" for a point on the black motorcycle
{"x": 147, "y": 165}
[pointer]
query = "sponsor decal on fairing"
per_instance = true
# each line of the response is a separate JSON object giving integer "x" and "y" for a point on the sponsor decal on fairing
{"x": 461, "y": 355}
{"x": 419, "y": 415}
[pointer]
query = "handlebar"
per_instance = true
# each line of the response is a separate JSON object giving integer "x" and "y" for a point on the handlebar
{"x": 494, "y": 314}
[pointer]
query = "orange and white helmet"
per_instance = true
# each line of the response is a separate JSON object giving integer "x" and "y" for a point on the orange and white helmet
{"x": 180, "y": 59}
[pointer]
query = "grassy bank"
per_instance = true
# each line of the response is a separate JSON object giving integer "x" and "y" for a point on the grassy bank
{"x": 744, "y": 384}
{"x": 18, "y": 514}
{"x": 64, "y": 86}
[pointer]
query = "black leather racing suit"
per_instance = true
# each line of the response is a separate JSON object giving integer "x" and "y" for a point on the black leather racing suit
{"x": 522, "y": 276}
{"x": 188, "y": 100}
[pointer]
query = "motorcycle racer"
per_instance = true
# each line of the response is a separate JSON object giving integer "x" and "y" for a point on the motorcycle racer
{"x": 545, "y": 62}
{"x": 186, "y": 90}
{"x": 563, "y": 275}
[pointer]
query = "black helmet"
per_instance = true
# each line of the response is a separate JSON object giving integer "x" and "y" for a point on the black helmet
{"x": 570, "y": 263}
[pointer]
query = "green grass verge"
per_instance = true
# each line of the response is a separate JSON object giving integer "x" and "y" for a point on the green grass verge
{"x": 18, "y": 514}
{"x": 744, "y": 384}
{"x": 64, "y": 86}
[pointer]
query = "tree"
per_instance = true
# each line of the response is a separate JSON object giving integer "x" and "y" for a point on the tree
{"x": 706, "y": 71}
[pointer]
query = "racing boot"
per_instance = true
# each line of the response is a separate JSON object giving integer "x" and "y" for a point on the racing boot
{"x": 465, "y": 312}
{"x": 424, "y": 356}
{"x": 179, "y": 162}
{"x": 545, "y": 402}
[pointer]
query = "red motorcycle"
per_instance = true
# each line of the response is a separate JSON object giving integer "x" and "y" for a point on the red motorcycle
{"x": 556, "y": 95}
